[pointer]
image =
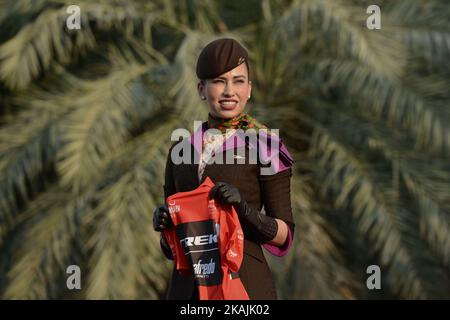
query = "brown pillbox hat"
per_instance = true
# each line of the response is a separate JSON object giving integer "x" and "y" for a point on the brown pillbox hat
{"x": 220, "y": 56}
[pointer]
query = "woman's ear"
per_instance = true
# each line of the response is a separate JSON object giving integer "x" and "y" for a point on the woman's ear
{"x": 200, "y": 89}
{"x": 249, "y": 89}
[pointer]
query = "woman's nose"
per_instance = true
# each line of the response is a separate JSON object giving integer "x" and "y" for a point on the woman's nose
{"x": 228, "y": 91}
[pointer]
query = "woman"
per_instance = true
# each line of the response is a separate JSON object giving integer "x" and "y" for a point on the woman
{"x": 223, "y": 72}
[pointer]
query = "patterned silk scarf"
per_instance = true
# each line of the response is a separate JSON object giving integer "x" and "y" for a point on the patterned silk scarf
{"x": 242, "y": 121}
{"x": 210, "y": 141}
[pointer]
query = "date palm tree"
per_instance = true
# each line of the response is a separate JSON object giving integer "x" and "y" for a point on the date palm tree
{"x": 86, "y": 117}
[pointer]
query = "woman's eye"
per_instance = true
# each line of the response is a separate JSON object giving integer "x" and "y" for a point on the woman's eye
{"x": 223, "y": 81}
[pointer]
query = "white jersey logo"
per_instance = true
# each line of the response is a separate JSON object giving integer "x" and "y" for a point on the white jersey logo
{"x": 204, "y": 268}
{"x": 199, "y": 240}
{"x": 174, "y": 209}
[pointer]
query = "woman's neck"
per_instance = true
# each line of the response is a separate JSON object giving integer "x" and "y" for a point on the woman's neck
{"x": 216, "y": 121}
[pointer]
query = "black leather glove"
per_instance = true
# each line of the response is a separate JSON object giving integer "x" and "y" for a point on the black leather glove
{"x": 263, "y": 226}
{"x": 161, "y": 219}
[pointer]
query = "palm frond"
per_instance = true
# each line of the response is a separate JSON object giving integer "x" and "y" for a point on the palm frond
{"x": 399, "y": 102}
{"x": 27, "y": 154}
{"x": 379, "y": 218}
{"x": 104, "y": 119}
{"x": 316, "y": 268}
{"x": 37, "y": 45}
{"x": 47, "y": 40}
{"x": 187, "y": 102}
{"x": 124, "y": 251}
{"x": 44, "y": 251}
{"x": 344, "y": 26}
{"x": 423, "y": 27}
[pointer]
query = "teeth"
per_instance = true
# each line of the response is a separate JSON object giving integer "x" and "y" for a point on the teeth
{"x": 228, "y": 103}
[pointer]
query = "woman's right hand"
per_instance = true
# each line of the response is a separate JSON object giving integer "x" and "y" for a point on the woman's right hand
{"x": 161, "y": 219}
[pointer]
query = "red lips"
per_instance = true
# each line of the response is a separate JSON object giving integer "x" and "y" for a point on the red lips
{"x": 227, "y": 104}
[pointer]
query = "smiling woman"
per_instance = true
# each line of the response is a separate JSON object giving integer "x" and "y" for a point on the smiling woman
{"x": 224, "y": 84}
{"x": 227, "y": 94}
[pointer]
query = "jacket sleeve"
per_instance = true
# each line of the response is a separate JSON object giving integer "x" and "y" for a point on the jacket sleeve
{"x": 276, "y": 197}
{"x": 169, "y": 181}
{"x": 165, "y": 247}
{"x": 169, "y": 189}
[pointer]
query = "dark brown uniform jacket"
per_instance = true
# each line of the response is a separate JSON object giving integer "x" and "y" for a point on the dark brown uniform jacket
{"x": 270, "y": 191}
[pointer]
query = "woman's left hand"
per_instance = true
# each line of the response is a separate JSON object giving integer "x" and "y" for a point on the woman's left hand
{"x": 266, "y": 227}
{"x": 225, "y": 193}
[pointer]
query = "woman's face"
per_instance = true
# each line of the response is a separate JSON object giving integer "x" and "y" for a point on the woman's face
{"x": 227, "y": 94}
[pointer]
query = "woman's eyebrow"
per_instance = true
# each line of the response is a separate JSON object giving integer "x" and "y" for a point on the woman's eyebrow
{"x": 234, "y": 77}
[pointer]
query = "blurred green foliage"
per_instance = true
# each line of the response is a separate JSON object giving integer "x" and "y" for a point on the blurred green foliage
{"x": 86, "y": 117}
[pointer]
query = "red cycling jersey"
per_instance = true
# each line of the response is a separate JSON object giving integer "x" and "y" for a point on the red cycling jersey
{"x": 207, "y": 240}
